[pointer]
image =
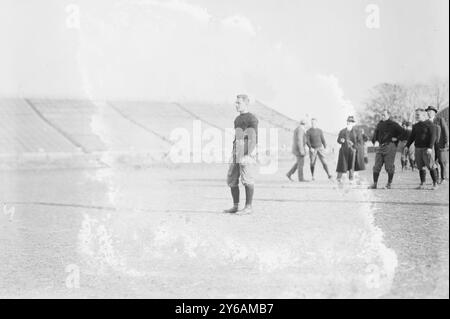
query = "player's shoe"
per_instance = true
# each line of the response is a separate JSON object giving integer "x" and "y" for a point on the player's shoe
{"x": 388, "y": 186}
{"x": 420, "y": 187}
{"x": 232, "y": 210}
{"x": 248, "y": 210}
{"x": 373, "y": 186}
{"x": 435, "y": 187}
{"x": 303, "y": 181}
{"x": 289, "y": 177}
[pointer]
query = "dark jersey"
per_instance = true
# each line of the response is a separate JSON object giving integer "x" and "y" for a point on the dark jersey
{"x": 315, "y": 138}
{"x": 386, "y": 131}
{"x": 246, "y": 133}
{"x": 423, "y": 135}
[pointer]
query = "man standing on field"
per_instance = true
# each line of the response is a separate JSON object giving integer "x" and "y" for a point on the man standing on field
{"x": 317, "y": 145}
{"x": 424, "y": 136}
{"x": 243, "y": 163}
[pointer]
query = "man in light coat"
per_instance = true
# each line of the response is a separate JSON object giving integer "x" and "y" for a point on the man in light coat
{"x": 299, "y": 150}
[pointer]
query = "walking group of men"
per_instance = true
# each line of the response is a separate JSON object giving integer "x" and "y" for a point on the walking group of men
{"x": 426, "y": 145}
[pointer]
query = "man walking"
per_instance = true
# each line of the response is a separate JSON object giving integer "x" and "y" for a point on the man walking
{"x": 243, "y": 163}
{"x": 424, "y": 136}
{"x": 441, "y": 145}
{"x": 299, "y": 150}
{"x": 317, "y": 147}
{"x": 387, "y": 134}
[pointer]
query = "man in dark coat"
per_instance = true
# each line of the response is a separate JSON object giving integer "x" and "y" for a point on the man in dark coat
{"x": 299, "y": 150}
{"x": 387, "y": 134}
{"x": 351, "y": 153}
{"x": 441, "y": 145}
{"x": 424, "y": 136}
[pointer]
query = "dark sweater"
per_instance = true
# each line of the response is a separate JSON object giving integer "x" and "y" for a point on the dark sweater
{"x": 315, "y": 138}
{"x": 423, "y": 135}
{"x": 386, "y": 130}
{"x": 246, "y": 130}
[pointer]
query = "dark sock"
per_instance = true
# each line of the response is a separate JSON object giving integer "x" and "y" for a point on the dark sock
{"x": 423, "y": 176}
{"x": 390, "y": 178}
{"x": 249, "y": 190}
{"x": 312, "y": 171}
{"x": 235, "y": 195}
{"x": 375, "y": 177}
{"x": 433, "y": 176}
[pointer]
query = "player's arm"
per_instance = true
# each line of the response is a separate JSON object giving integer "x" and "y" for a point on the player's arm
{"x": 308, "y": 138}
{"x": 412, "y": 137}
{"x": 375, "y": 135}
{"x": 433, "y": 134}
{"x": 252, "y": 136}
{"x": 322, "y": 138}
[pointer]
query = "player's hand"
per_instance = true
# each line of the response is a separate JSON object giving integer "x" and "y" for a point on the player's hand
{"x": 342, "y": 140}
{"x": 350, "y": 143}
{"x": 429, "y": 151}
{"x": 406, "y": 149}
{"x": 394, "y": 139}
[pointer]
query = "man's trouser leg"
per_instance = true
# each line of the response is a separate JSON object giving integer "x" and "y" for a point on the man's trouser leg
{"x": 247, "y": 172}
{"x": 233, "y": 183}
{"x": 312, "y": 160}
{"x": 389, "y": 161}
{"x": 321, "y": 155}
{"x": 378, "y": 165}
{"x": 300, "y": 164}
{"x": 444, "y": 164}
{"x": 293, "y": 169}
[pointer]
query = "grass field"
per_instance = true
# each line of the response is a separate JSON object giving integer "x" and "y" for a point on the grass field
{"x": 158, "y": 231}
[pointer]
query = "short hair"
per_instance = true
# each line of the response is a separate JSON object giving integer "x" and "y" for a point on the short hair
{"x": 420, "y": 110}
{"x": 244, "y": 97}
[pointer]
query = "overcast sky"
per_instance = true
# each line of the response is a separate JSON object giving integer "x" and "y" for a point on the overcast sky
{"x": 298, "y": 56}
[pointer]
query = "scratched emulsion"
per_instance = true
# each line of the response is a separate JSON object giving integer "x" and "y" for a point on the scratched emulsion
{"x": 164, "y": 235}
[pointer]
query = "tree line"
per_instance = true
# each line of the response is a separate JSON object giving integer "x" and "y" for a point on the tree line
{"x": 402, "y": 99}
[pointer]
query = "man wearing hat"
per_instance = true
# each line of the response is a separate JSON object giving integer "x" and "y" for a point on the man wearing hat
{"x": 317, "y": 145}
{"x": 351, "y": 153}
{"x": 299, "y": 150}
{"x": 243, "y": 162}
{"x": 441, "y": 145}
{"x": 387, "y": 134}
{"x": 424, "y": 136}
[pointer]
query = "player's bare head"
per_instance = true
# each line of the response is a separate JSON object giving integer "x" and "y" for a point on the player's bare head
{"x": 313, "y": 122}
{"x": 385, "y": 115}
{"x": 421, "y": 114}
{"x": 242, "y": 102}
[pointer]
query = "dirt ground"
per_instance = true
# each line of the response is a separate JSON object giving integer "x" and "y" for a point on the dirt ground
{"x": 159, "y": 232}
